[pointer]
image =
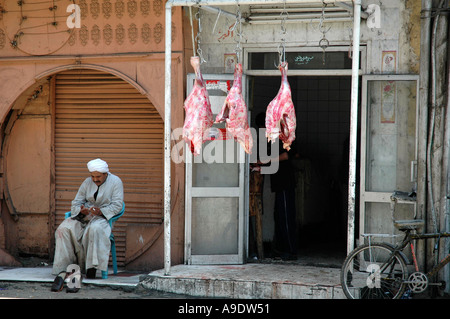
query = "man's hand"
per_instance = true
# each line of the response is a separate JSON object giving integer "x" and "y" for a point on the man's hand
{"x": 95, "y": 211}
{"x": 84, "y": 210}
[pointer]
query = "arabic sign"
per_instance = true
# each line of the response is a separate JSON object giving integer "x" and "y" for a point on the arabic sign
{"x": 301, "y": 60}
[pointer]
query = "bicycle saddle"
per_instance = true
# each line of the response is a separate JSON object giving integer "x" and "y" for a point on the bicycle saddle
{"x": 406, "y": 224}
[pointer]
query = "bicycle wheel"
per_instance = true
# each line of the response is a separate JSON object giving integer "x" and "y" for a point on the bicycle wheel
{"x": 374, "y": 272}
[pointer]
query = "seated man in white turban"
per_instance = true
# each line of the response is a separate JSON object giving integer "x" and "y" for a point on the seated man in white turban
{"x": 83, "y": 239}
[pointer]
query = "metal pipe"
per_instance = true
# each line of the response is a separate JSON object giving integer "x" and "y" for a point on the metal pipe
{"x": 220, "y": 11}
{"x": 349, "y": 8}
{"x": 423, "y": 120}
{"x": 439, "y": 44}
{"x": 292, "y": 20}
{"x": 167, "y": 131}
{"x": 300, "y": 16}
{"x": 433, "y": 118}
{"x": 353, "y": 126}
{"x": 310, "y": 8}
{"x": 446, "y": 164}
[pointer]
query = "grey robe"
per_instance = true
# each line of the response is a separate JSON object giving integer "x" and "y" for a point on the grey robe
{"x": 87, "y": 243}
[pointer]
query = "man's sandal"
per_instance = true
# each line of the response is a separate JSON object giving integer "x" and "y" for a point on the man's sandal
{"x": 72, "y": 290}
{"x": 58, "y": 284}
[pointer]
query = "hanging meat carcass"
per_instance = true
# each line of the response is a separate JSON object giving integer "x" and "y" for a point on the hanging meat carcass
{"x": 234, "y": 112}
{"x": 199, "y": 116}
{"x": 280, "y": 114}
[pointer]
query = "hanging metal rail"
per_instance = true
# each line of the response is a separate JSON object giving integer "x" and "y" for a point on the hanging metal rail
{"x": 168, "y": 105}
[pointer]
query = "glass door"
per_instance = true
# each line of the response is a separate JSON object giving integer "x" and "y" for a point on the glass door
{"x": 215, "y": 191}
{"x": 389, "y": 117}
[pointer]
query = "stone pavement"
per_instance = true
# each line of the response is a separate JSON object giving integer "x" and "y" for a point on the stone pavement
{"x": 44, "y": 274}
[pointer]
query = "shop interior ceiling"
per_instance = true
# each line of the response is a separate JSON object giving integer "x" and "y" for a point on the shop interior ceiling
{"x": 302, "y": 12}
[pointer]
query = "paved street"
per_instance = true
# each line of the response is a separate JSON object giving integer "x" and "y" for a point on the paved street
{"x": 41, "y": 290}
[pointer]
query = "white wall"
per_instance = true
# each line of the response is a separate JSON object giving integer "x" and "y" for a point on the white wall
{"x": 392, "y": 36}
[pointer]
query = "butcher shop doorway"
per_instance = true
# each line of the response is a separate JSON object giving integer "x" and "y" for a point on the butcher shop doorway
{"x": 321, "y": 92}
{"x": 322, "y": 106}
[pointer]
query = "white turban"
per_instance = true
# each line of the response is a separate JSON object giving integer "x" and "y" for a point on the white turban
{"x": 97, "y": 165}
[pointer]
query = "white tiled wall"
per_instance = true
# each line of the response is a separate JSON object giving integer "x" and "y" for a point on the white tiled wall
{"x": 323, "y": 113}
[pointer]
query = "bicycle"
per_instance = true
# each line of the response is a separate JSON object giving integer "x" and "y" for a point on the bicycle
{"x": 380, "y": 270}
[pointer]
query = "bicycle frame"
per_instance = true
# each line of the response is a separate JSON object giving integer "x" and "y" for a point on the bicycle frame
{"x": 443, "y": 262}
{"x": 408, "y": 240}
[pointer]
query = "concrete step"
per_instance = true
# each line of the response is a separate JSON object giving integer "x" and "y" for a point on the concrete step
{"x": 248, "y": 281}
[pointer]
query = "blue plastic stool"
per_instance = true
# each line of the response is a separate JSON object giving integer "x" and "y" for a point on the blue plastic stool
{"x": 111, "y": 237}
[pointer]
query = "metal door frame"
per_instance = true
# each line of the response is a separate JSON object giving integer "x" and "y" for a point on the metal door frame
{"x": 191, "y": 192}
{"x": 371, "y": 196}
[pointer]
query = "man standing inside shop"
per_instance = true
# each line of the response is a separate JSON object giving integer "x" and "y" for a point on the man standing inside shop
{"x": 83, "y": 239}
{"x": 283, "y": 184}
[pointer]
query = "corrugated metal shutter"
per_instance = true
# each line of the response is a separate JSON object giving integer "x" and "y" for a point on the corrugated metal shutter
{"x": 100, "y": 115}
